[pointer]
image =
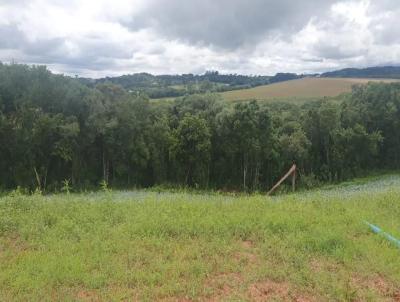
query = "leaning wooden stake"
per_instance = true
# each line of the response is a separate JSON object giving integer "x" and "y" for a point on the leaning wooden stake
{"x": 294, "y": 178}
{"x": 292, "y": 171}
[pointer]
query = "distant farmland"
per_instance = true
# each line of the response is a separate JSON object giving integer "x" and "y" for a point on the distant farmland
{"x": 302, "y": 88}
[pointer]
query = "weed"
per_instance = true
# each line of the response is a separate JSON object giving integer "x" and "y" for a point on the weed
{"x": 144, "y": 245}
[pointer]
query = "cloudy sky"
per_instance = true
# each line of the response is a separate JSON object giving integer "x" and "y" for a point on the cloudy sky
{"x": 111, "y": 37}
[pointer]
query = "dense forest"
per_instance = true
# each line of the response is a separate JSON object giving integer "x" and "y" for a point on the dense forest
{"x": 54, "y": 129}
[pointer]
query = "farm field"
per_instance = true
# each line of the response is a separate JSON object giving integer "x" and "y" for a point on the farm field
{"x": 299, "y": 89}
{"x": 146, "y": 246}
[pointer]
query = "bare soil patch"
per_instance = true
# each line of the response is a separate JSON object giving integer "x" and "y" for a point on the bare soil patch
{"x": 276, "y": 291}
{"x": 378, "y": 284}
{"x": 222, "y": 285}
{"x": 88, "y": 295}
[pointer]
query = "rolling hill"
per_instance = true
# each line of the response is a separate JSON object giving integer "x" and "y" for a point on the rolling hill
{"x": 241, "y": 87}
{"x": 385, "y": 72}
{"x": 309, "y": 87}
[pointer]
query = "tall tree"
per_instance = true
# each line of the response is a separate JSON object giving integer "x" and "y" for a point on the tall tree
{"x": 191, "y": 149}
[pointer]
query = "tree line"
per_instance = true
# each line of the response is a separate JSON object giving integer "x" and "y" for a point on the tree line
{"x": 386, "y": 72}
{"x": 55, "y": 129}
{"x": 160, "y": 86}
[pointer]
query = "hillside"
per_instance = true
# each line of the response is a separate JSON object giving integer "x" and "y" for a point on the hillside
{"x": 388, "y": 72}
{"x": 167, "y": 86}
{"x": 300, "y": 88}
{"x": 236, "y": 86}
{"x": 151, "y": 246}
{"x": 158, "y": 86}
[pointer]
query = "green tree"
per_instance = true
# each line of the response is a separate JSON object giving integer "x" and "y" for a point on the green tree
{"x": 191, "y": 149}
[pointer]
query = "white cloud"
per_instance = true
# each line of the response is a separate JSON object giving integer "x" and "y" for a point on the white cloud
{"x": 98, "y": 38}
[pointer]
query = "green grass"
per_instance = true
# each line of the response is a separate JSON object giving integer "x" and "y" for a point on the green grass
{"x": 148, "y": 246}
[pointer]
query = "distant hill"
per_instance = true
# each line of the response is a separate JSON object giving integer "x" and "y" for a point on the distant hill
{"x": 232, "y": 85}
{"x": 388, "y": 72}
{"x": 159, "y": 86}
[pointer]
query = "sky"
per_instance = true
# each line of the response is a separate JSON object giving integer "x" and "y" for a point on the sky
{"x": 97, "y": 38}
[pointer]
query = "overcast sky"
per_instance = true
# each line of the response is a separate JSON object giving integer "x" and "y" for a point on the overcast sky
{"x": 112, "y": 37}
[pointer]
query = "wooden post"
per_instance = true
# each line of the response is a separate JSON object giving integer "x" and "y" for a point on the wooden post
{"x": 294, "y": 178}
{"x": 292, "y": 171}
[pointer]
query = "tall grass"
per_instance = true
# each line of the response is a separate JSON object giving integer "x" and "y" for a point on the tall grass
{"x": 149, "y": 246}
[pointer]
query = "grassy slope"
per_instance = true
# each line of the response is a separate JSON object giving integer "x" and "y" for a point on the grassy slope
{"x": 310, "y": 246}
{"x": 302, "y": 88}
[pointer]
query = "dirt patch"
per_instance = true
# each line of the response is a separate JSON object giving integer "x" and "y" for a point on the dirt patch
{"x": 268, "y": 290}
{"x": 246, "y": 258}
{"x": 247, "y": 244}
{"x": 318, "y": 266}
{"x": 247, "y": 255}
{"x": 173, "y": 300}
{"x": 221, "y": 286}
{"x": 378, "y": 284}
{"x": 88, "y": 295}
{"x": 272, "y": 291}
{"x": 117, "y": 293}
{"x": 14, "y": 244}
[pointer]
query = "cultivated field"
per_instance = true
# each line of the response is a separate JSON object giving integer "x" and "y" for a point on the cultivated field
{"x": 146, "y": 246}
{"x": 299, "y": 89}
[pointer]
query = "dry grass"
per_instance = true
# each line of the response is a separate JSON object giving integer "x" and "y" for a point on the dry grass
{"x": 302, "y": 88}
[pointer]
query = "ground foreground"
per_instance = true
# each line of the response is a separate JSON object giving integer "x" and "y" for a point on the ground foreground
{"x": 129, "y": 246}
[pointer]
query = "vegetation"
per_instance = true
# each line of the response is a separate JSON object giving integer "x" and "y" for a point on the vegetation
{"x": 299, "y": 90}
{"x": 147, "y": 246}
{"x": 160, "y": 86}
{"x": 388, "y": 72}
{"x": 56, "y": 133}
{"x": 165, "y": 86}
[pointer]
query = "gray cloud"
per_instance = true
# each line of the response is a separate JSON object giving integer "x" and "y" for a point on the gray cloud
{"x": 387, "y": 35}
{"x": 14, "y": 38}
{"x": 336, "y": 52}
{"x": 93, "y": 51}
{"x": 96, "y": 38}
{"x": 227, "y": 23}
{"x": 11, "y": 37}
